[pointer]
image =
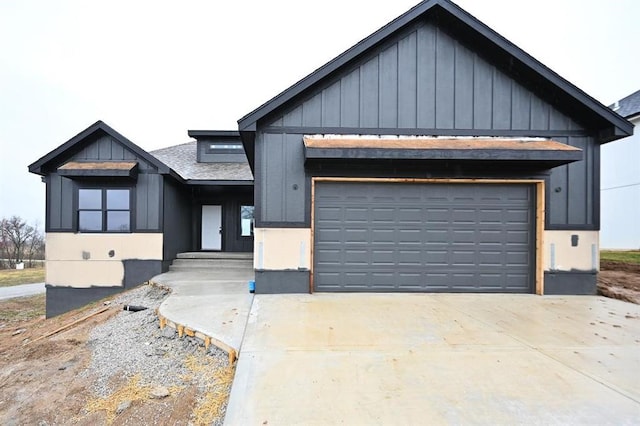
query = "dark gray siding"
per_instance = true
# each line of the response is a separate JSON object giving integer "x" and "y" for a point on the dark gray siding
{"x": 105, "y": 148}
{"x": 223, "y": 156}
{"x": 573, "y": 190}
{"x": 60, "y": 197}
{"x": 281, "y": 184}
{"x": 61, "y": 191}
{"x": 230, "y": 199}
{"x": 148, "y": 202}
{"x": 177, "y": 219}
{"x": 422, "y": 82}
{"x": 425, "y": 79}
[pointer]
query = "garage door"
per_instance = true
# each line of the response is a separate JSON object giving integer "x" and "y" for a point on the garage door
{"x": 408, "y": 237}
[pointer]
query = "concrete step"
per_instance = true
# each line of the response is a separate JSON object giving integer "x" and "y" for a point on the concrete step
{"x": 214, "y": 255}
{"x": 226, "y": 274}
{"x": 214, "y": 263}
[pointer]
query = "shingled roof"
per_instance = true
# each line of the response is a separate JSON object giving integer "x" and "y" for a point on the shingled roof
{"x": 182, "y": 159}
{"x": 629, "y": 106}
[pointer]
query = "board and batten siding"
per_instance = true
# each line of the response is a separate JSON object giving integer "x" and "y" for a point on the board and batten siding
{"x": 422, "y": 82}
{"x": 572, "y": 190}
{"x": 148, "y": 189}
{"x": 105, "y": 148}
{"x": 177, "y": 216}
{"x": 60, "y": 196}
{"x": 61, "y": 191}
{"x": 425, "y": 79}
{"x": 283, "y": 186}
{"x": 573, "y": 194}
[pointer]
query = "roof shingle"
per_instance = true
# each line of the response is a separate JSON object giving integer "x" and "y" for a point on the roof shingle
{"x": 628, "y": 106}
{"x": 182, "y": 159}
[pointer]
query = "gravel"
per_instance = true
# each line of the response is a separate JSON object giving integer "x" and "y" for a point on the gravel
{"x": 132, "y": 343}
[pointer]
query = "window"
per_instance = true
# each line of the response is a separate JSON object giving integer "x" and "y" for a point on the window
{"x": 224, "y": 148}
{"x": 246, "y": 221}
{"x": 104, "y": 210}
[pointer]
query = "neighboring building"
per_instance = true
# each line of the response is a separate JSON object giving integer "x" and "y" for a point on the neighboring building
{"x": 620, "y": 184}
{"x": 434, "y": 155}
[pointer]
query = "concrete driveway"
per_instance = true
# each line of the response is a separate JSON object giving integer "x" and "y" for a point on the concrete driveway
{"x": 366, "y": 359}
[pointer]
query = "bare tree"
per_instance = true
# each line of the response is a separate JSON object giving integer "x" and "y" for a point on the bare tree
{"x": 15, "y": 237}
{"x": 35, "y": 248}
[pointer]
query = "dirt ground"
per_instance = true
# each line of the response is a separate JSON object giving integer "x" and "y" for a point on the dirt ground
{"x": 41, "y": 381}
{"x": 619, "y": 280}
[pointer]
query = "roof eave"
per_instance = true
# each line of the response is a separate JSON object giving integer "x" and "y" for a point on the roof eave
{"x": 214, "y": 182}
{"x": 576, "y": 93}
{"x": 214, "y": 133}
{"x": 249, "y": 121}
{"x": 36, "y": 167}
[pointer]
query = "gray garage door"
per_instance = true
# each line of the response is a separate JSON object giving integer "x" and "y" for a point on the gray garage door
{"x": 405, "y": 237}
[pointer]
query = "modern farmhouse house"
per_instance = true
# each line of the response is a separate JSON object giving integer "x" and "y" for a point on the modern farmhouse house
{"x": 433, "y": 156}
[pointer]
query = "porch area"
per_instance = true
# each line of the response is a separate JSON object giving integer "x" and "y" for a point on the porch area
{"x": 210, "y": 297}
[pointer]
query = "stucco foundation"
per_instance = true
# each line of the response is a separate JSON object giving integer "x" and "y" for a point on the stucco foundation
{"x": 282, "y": 249}
{"x": 571, "y": 251}
{"x": 86, "y": 260}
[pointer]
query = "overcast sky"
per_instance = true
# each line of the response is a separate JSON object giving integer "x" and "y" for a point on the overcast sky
{"x": 154, "y": 69}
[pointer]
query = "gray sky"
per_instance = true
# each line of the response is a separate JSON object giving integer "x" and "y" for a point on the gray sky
{"x": 154, "y": 69}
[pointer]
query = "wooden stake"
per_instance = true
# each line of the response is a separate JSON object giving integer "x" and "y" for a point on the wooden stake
{"x": 65, "y": 327}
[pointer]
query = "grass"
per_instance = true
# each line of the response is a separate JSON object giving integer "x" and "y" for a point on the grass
{"x": 9, "y": 277}
{"x": 133, "y": 391}
{"x": 22, "y": 308}
{"x": 631, "y": 256}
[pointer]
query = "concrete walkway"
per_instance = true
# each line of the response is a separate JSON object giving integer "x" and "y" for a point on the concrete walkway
{"x": 214, "y": 307}
{"x": 364, "y": 359}
{"x": 22, "y": 290}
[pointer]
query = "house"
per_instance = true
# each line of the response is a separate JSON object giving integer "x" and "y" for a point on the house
{"x": 432, "y": 156}
{"x": 117, "y": 215}
{"x": 620, "y": 183}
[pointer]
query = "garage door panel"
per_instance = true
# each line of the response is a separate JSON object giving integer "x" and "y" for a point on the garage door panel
{"x": 408, "y": 258}
{"x": 409, "y": 216}
{"x": 436, "y": 258}
{"x": 381, "y": 215}
{"x": 434, "y": 216}
{"x": 462, "y": 216}
{"x": 423, "y": 237}
{"x": 436, "y": 236}
{"x": 516, "y": 216}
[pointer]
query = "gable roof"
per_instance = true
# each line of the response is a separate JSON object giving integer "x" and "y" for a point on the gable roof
{"x": 628, "y": 106}
{"x": 182, "y": 159}
{"x": 99, "y": 126}
{"x": 482, "y": 36}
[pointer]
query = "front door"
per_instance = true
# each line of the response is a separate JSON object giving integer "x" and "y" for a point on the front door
{"x": 211, "y": 235}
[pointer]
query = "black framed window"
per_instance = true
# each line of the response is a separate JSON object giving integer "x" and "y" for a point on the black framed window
{"x": 246, "y": 221}
{"x": 104, "y": 210}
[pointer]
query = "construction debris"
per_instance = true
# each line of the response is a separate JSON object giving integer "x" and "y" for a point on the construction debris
{"x": 134, "y": 308}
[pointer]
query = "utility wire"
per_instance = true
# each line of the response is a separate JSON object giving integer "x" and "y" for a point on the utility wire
{"x": 621, "y": 186}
